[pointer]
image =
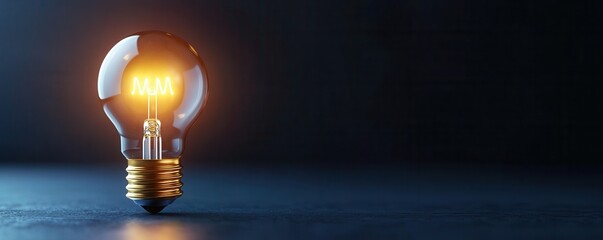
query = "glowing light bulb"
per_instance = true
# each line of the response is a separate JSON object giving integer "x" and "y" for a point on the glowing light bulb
{"x": 152, "y": 86}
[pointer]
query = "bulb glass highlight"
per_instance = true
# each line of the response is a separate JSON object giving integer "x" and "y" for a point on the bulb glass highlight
{"x": 152, "y": 86}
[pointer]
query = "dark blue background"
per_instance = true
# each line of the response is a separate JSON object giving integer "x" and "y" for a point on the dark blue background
{"x": 322, "y": 84}
{"x": 325, "y": 120}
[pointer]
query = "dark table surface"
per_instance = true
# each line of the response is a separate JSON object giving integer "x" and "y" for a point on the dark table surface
{"x": 88, "y": 203}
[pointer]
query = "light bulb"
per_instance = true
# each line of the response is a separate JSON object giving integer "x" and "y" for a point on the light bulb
{"x": 152, "y": 86}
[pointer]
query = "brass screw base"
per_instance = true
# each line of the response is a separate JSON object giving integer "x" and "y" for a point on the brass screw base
{"x": 154, "y": 184}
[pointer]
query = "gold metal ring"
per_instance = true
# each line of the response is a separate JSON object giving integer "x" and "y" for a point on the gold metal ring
{"x": 150, "y": 179}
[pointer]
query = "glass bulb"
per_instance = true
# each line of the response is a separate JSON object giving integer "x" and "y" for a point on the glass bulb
{"x": 152, "y": 86}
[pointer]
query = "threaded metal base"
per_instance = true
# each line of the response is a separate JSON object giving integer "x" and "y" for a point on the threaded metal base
{"x": 154, "y": 184}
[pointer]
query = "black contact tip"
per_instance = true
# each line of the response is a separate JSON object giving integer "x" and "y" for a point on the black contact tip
{"x": 153, "y": 209}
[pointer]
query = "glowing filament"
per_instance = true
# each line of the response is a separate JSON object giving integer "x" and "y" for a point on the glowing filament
{"x": 159, "y": 88}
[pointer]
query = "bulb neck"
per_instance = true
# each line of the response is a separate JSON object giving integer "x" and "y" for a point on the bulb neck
{"x": 154, "y": 184}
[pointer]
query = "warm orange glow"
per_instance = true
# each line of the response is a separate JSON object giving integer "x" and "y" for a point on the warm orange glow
{"x": 163, "y": 230}
{"x": 152, "y": 89}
